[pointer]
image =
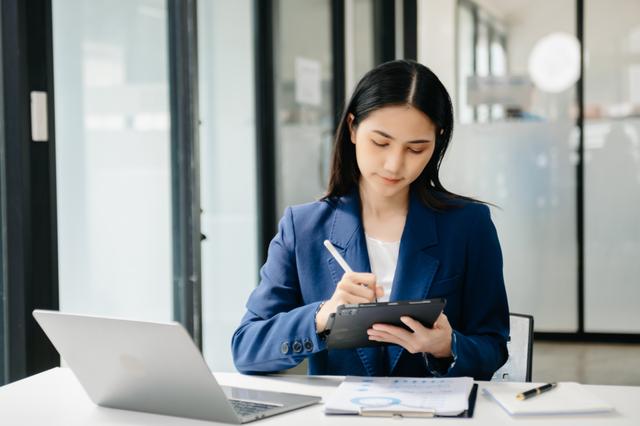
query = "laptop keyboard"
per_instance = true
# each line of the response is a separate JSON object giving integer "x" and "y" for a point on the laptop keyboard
{"x": 249, "y": 408}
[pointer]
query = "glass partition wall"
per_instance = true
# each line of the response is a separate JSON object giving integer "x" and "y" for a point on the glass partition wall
{"x": 612, "y": 166}
{"x": 228, "y": 172}
{"x": 567, "y": 204}
{"x": 359, "y": 41}
{"x": 303, "y": 99}
{"x": 515, "y": 147}
{"x": 113, "y": 157}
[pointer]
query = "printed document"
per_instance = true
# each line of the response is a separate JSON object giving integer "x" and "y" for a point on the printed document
{"x": 398, "y": 395}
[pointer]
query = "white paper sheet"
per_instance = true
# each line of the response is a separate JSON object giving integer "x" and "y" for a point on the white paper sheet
{"x": 566, "y": 398}
{"x": 442, "y": 396}
{"x": 308, "y": 81}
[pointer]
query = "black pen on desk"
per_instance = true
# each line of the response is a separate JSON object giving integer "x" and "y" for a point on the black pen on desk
{"x": 343, "y": 263}
{"x": 536, "y": 391}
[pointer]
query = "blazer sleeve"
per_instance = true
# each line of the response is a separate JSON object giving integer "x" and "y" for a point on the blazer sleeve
{"x": 479, "y": 344}
{"x": 277, "y": 332}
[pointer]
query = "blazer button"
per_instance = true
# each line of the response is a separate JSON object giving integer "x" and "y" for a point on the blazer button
{"x": 308, "y": 345}
{"x": 284, "y": 348}
{"x": 297, "y": 346}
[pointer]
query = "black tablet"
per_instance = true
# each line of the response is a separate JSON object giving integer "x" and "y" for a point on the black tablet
{"x": 347, "y": 328}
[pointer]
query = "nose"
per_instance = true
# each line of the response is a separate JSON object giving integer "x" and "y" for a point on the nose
{"x": 393, "y": 161}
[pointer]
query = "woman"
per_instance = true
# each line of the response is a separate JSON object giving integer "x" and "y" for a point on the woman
{"x": 406, "y": 236}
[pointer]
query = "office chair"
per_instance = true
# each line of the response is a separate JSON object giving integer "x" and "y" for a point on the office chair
{"x": 520, "y": 347}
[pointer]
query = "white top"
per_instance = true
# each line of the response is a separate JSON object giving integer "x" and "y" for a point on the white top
{"x": 383, "y": 257}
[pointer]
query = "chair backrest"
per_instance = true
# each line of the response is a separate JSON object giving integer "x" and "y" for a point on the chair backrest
{"x": 520, "y": 347}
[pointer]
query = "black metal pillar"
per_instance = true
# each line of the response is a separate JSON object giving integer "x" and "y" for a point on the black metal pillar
{"x": 384, "y": 25}
{"x": 185, "y": 165}
{"x": 338, "y": 48}
{"x": 28, "y": 187}
{"x": 410, "y": 29}
{"x": 265, "y": 124}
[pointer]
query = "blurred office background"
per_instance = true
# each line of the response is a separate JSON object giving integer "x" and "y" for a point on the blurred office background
{"x": 177, "y": 131}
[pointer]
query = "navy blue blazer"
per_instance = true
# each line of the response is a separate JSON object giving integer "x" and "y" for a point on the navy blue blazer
{"x": 453, "y": 254}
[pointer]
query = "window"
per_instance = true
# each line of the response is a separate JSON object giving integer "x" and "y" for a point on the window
{"x": 113, "y": 168}
{"x": 228, "y": 172}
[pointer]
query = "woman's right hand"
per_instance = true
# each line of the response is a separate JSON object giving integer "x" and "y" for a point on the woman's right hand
{"x": 354, "y": 287}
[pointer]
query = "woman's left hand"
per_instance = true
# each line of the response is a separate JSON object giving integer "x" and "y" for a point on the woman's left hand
{"x": 435, "y": 341}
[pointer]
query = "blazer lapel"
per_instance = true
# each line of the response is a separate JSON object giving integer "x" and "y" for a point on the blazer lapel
{"x": 415, "y": 269}
{"x": 347, "y": 235}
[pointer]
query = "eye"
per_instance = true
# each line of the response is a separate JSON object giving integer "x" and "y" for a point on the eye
{"x": 419, "y": 148}
{"x": 379, "y": 144}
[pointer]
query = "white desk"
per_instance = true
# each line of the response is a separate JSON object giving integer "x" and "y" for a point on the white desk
{"x": 56, "y": 398}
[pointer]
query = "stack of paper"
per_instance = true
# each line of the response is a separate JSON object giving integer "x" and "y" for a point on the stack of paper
{"x": 409, "y": 396}
{"x": 566, "y": 398}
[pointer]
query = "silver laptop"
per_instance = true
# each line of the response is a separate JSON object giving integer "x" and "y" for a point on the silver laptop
{"x": 153, "y": 367}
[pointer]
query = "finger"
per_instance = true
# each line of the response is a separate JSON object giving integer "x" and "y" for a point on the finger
{"x": 357, "y": 290}
{"x": 441, "y": 321}
{"x": 393, "y": 330}
{"x": 358, "y": 278}
{"x": 415, "y": 326}
{"x": 407, "y": 339}
{"x": 380, "y": 336}
{"x": 376, "y": 291}
{"x": 360, "y": 300}
{"x": 348, "y": 298}
{"x": 379, "y": 290}
{"x": 383, "y": 336}
{"x": 361, "y": 278}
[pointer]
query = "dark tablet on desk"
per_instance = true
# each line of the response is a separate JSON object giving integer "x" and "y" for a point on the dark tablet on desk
{"x": 347, "y": 328}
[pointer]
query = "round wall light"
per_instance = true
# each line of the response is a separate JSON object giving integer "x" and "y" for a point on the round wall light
{"x": 554, "y": 62}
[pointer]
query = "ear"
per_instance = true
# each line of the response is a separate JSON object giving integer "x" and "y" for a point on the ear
{"x": 352, "y": 131}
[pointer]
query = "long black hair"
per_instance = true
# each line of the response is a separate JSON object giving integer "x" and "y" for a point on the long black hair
{"x": 400, "y": 82}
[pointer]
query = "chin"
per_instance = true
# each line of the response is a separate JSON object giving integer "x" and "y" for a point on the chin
{"x": 390, "y": 191}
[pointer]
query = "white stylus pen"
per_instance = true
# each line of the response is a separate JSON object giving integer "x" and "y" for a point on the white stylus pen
{"x": 343, "y": 263}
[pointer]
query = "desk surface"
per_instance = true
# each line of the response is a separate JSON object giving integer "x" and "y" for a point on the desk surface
{"x": 56, "y": 398}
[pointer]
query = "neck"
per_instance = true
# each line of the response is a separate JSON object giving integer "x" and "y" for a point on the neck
{"x": 379, "y": 206}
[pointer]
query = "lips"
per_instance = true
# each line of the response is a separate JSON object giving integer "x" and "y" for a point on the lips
{"x": 390, "y": 181}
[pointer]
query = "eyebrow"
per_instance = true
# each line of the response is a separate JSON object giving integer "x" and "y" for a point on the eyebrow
{"x": 388, "y": 136}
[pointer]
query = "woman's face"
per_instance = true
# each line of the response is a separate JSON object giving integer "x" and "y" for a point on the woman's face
{"x": 393, "y": 146}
